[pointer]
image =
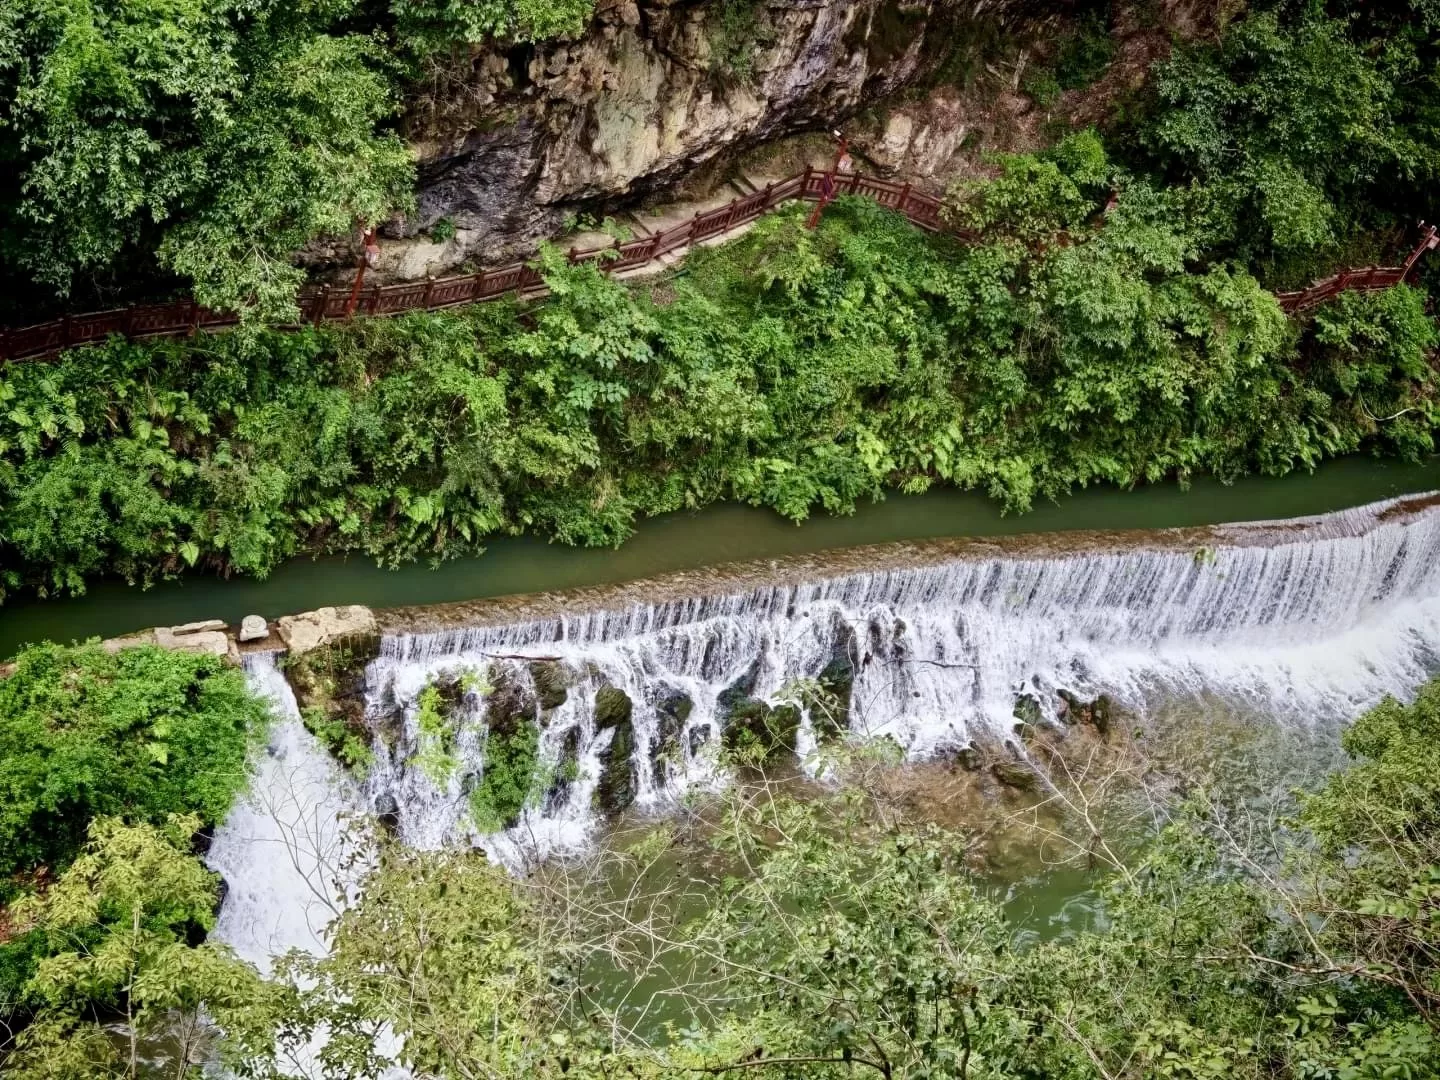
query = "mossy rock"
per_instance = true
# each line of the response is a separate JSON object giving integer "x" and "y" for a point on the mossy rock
{"x": 510, "y": 704}
{"x": 1027, "y": 711}
{"x": 752, "y": 722}
{"x": 1099, "y": 713}
{"x": 619, "y": 780}
{"x": 739, "y": 690}
{"x": 671, "y": 712}
{"x": 329, "y": 686}
{"x": 567, "y": 771}
{"x": 967, "y": 758}
{"x": 1102, "y": 712}
{"x": 552, "y": 683}
{"x": 613, "y": 708}
{"x": 1014, "y": 774}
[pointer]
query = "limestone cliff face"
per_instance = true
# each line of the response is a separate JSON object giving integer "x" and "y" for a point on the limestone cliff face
{"x": 652, "y": 90}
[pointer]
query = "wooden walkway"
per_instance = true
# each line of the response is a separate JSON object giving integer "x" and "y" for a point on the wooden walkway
{"x": 326, "y": 304}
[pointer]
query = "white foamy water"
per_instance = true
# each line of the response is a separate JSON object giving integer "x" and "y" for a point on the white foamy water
{"x": 291, "y": 855}
{"x": 1313, "y": 629}
{"x": 283, "y": 849}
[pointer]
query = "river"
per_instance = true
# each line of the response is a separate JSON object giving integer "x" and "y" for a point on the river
{"x": 683, "y": 541}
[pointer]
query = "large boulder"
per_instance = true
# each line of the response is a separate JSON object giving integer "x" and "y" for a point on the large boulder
{"x": 326, "y": 626}
{"x": 754, "y": 723}
{"x": 613, "y": 708}
{"x": 552, "y": 683}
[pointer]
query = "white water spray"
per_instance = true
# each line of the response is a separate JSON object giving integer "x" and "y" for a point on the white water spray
{"x": 1318, "y": 627}
{"x": 284, "y": 850}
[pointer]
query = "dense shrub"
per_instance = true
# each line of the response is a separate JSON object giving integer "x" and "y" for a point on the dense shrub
{"x": 140, "y": 733}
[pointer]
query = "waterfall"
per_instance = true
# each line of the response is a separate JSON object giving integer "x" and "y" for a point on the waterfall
{"x": 284, "y": 850}
{"x": 1313, "y": 619}
{"x": 289, "y": 856}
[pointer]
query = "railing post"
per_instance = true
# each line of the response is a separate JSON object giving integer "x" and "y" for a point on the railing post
{"x": 429, "y": 290}
{"x": 478, "y": 291}
{"x": 769, "y": 195}
{"x": 571, "y": 256}
{"x": 64, "y": 331}
{"x": 322, "y": 301}
{"x": 805, "y": 182}
{"x": 4, "y": 344}
{"x": 194, "y": 318}
{"x": 904, "y": 198}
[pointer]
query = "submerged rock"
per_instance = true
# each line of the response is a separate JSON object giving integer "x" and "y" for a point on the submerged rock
{"x": 1014, "y": 774}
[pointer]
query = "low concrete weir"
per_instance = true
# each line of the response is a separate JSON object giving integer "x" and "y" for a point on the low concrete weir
{"x": 1308, "y": 619}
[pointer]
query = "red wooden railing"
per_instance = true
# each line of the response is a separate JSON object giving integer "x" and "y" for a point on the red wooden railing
{"x": 1366, "y": 279}
{"x": 324, "y": 304}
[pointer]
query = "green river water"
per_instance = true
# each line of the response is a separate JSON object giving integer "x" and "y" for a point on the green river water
{"x": 687, "y": 540}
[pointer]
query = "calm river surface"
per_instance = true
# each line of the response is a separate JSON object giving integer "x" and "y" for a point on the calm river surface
{"x": 688, "y": 540}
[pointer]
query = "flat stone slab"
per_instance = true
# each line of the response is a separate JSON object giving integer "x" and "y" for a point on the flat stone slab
{"x": 197, "y": 627}
{"x": 324, "y": 626}
{"x": 198, "y": 641}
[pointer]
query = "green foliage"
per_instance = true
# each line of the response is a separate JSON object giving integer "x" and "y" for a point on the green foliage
{"x": 737, "y": 29}
{"x": 483, "y": 983}
{"x": 822, "y": 938}
{"x": 793, "y": 369}
{"x": 1086, "y": 51}
{"x": 1081, "y": 56}
{"x": 1298, "y": 131}
{"x": 115, "y": 924}
{"x": 510, "y": 779}
{"x": 435, "y": 753}
{"x": 140, "y": 733}
{"x": 204, "y": 135}
{"x": 349, "y": 748}
{"x": 431, "y": 26}
{"x": 443, "y": 230}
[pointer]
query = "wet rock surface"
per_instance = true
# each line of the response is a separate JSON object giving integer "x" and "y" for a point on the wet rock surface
{"x": 619, "y": 777}
{"x": 552, "y": 683}
{"x": 671, "y": 710}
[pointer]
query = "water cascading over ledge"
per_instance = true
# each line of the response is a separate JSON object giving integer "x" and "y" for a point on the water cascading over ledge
{"x": 931, "y": 644}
